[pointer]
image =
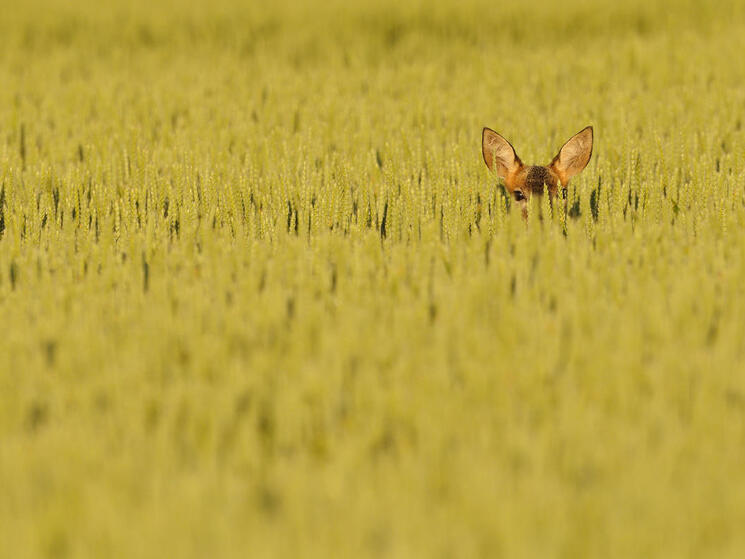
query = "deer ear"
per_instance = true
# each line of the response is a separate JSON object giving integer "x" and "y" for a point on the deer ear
{"x": 574, "y": 155}
{"x": 499, "y": 155}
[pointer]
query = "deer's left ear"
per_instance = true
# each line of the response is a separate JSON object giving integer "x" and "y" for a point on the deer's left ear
{"x": 499, "y": 155}
{"x": 573, "y": 156}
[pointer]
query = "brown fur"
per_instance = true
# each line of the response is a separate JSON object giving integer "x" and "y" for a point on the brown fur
{"x": 523, "y": 181}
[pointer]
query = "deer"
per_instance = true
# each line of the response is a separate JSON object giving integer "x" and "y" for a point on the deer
{"x": 524, "y": 181}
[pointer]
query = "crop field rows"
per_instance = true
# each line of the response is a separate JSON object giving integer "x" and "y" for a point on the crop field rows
{"x": 261, "y": 296}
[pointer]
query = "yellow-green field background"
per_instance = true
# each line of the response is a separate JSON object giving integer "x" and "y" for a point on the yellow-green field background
{"x": 260, "y": 297}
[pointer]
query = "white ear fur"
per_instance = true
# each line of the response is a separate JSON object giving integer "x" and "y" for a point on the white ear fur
{"x": 574, "y": 155}
{"x": 499, "y": 155}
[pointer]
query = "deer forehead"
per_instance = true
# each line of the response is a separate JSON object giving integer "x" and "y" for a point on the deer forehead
{"x": 534, "y": 178}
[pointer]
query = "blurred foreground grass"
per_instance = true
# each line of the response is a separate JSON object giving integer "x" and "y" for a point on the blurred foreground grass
{"x": 261, "y": 297}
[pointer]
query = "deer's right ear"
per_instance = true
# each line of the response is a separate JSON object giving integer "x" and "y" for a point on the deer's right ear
{"x": 499, "y": 155}
{"x": 573, "y": 156}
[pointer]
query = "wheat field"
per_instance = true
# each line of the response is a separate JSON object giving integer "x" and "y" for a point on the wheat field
{"x": 261, "y": 297}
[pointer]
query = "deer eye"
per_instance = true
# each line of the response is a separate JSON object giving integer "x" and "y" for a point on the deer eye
{"x": 518, "y": 195}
